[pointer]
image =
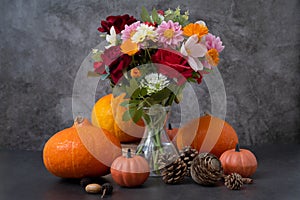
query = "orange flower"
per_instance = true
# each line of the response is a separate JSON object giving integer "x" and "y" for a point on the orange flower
{"x": 129, "y": 47}
{"x": 212, "y": 57}
{"x": 195, "y": 29}
{"x": 135, "y": 73}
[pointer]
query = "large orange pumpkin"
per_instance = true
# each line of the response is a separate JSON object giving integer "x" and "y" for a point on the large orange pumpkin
{"x": 107, "y": 113}
{"x": 207, "y": 134}
{"x": 82, "y": 150}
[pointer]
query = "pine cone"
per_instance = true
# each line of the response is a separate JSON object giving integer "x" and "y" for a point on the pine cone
{"x": 174, "y": 173}
{"x": 106, "y": 189}
{"x": 206, "y": 169}
{"x": 166, "y": 159}
{"x": 187, "y": 154}
{"x": 233, "y": 181}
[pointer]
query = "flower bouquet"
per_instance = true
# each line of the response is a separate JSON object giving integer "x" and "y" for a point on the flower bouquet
{"x": 150, "y": 61}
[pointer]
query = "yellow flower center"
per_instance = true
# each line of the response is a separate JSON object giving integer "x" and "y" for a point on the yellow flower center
{"x": 169, "y": 33}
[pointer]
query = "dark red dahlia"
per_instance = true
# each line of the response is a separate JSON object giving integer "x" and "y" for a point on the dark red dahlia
{"x": 118, "y": 22}
{"x": 116, "y": 62}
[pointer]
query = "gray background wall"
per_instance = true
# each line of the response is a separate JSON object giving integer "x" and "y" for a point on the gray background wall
{"x": 42, "y": 45}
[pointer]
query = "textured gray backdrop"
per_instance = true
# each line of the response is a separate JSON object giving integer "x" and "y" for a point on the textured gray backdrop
{"x": 43, "y": 43}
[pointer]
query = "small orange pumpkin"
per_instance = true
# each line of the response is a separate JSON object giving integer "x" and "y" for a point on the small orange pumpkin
{"x": 207, "y": 134}
{"x": 241, "y": 161}
{"x": 82, "y": 150}
{"x": 130, "y": 171}
{"x": 172, "y": 132}
{"x": 107, "y": 113}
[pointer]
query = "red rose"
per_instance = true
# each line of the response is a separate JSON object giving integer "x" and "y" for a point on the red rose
{"x": 118, "y": 22}
{"x": 175, "y": 61}
{"x": 115, "y": 60}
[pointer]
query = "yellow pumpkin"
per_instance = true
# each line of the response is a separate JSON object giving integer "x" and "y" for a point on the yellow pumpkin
{"x": 107, "y": 114}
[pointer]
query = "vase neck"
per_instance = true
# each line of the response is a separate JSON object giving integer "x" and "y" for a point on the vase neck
{"x": 156, "y": 117}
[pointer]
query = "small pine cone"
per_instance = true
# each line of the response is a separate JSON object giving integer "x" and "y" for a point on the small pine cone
{"x": 175, "y": 172}
{"x": 206, "y": 169}
{"x": 233, "y": 181}
{"x": 106, "y": 189}
{"x": 187, "y": 154}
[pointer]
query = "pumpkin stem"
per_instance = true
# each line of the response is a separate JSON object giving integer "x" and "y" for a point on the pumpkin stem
{"x": 129, "y": 153}
{"x": 79, "y": 119}
{"x": 207, "y": 113}
{"x": 237, "y": 148}
{"x": 170, "y": 126}
{"x": 103, "y": 194}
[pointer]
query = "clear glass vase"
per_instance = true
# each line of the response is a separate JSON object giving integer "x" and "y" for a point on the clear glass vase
{"x": 155, "y": 145}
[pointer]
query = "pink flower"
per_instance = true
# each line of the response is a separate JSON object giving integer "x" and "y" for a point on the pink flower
{"x": 169, "y": 33}
{"x": 129, "y": 31}
{"x": 213, "y": 42}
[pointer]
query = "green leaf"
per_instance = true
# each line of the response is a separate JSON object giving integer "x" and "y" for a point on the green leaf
{"x": 132, "y": 112}
{"x": 136, "y": 93}
{"x": 137, "y": 116}
{"x": 133, "y": 83}
{"x": 129, "y": 90}
{"x": 124, "y": 103}
{"x": 169, "y": 17}
{"x": 171, "y": 99}
{"x": 126, "y": 116}
{"x": 143, "y": 92}
{"x": 161, "y": 95}
{"x": 145, "y": 15}
{"x": 155, "y": 16}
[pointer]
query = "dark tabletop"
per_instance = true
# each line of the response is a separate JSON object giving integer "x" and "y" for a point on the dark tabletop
{"x": 23, "y": 177}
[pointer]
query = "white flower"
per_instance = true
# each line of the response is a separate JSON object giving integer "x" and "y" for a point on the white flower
{"x": 144, "y": 32}
{"x": 201, "y": 22}
{"x": 111, "y": 38}
{"x": 154, "y": 82}
{"x": 194, "y": 50}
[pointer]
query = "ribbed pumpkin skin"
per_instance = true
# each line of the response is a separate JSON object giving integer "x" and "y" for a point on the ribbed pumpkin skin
{"x": 207, "y": 134}
{"x": 130, "y": 172}
{"x": 243, "y": 162}
{"x": 107, "y": 113}
{"x": 81, "y": 151}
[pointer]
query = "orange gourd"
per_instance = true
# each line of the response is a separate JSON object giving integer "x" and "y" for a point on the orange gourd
{"x": 82, "y": 150}
{"x": 130, "y": 171}
{"x": 207, "y": 134}
{"x": 107, "y": 113}
{"x": 172, "y": 132}
{"x": 241, "y": 161}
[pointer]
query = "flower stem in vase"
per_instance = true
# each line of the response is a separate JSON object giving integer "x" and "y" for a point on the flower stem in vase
{"x": 156, "y": 145}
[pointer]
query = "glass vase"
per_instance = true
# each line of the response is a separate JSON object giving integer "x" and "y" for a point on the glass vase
{"x": 155, "y": 145}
